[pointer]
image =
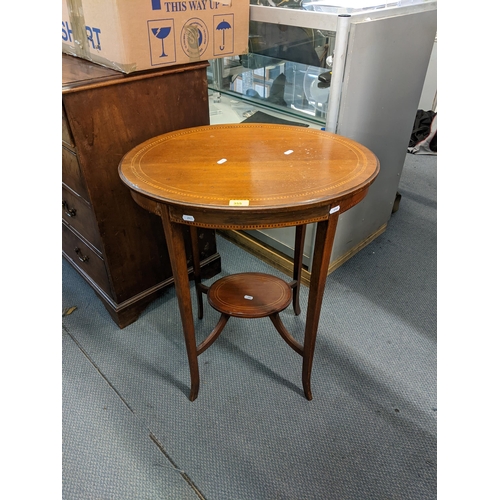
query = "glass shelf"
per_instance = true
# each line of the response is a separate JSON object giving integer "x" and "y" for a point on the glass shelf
{"x": 281, "y": 68}
{"x": 289, "y": 87}
{"x": 226, "y": 108}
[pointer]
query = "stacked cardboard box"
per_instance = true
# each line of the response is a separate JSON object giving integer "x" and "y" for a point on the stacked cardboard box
{"x": 129, "y": 35}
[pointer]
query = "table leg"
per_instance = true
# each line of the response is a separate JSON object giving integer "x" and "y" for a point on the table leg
{"x": 177, "y": 252}
{"x": 193, "y": 232}
{"x": 300, "y": 236}
{"x": 325, "y": 234}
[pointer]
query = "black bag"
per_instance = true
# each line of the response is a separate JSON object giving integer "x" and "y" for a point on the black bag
{"x": 423, "y": 138}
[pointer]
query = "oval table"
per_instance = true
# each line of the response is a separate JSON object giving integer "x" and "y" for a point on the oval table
{"x": 249, "y": 176}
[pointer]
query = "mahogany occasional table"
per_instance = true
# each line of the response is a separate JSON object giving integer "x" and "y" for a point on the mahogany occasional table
{"x": 249, "y": 176}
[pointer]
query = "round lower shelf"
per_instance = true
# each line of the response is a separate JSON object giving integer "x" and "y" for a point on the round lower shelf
{"x": 249, "y": 295}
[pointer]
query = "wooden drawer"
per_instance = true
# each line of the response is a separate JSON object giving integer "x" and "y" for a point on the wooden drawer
{"x": 72, "y": 175}
{"x": 67, "y": 137}
{"x": 85, "y": 258}
{"x": 79, "y": 215}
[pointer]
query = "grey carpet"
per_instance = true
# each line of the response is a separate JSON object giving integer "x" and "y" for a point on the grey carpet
{"x": 129, "y": 430}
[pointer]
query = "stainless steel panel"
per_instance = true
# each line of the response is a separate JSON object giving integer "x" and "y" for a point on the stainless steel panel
{"x": 385, "y": 70}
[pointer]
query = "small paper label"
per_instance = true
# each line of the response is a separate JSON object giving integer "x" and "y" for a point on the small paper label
{"x": 290, "y": 151}
{"x": 189, "y": 218}
{"x": 335, "y": 209}
{"x": 239, "y": 203}
{"x": 248, "y": 297}
{"x": 221, "y": 161}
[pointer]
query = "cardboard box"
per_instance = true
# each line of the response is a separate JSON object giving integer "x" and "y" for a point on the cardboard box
{"x": 134, "y": 35}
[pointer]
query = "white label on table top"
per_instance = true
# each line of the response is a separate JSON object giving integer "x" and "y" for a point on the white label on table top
{"x": 335, "y": 209}
{"x": 239, "y": 203}
{"x": 188, "y": 218}
{"x": 289, "y": 152}
{"x": 221, "y": 161}
{"x": 248, "y": 297}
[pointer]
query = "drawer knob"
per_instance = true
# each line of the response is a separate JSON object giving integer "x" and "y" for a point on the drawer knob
{"x": 83, "y": 258}
{"x": 70, "y": 212}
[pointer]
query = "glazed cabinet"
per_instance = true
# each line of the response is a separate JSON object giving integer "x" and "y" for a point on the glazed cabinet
{"x": 357, "y": 69}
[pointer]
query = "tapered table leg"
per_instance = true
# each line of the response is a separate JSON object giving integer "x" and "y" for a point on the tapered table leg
{"x": 300, "y": 235}
{"x": 325, "y": 234}
{"x": 177, "y": 252}
{"x": 193, "y": 232}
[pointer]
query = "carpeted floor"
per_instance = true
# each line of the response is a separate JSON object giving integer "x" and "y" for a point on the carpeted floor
{"x": 130, "y": 432}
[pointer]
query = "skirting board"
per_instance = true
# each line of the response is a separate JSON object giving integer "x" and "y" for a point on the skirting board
{"x": 284, "y": 263}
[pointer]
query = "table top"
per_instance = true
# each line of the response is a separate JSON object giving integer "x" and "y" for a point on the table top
{"x": 258, "y": 167}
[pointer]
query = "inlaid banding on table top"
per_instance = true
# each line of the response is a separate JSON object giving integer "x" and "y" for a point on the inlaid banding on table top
{"x": 221, "y": 225}
{"x": 335, "y": 161}
{"x": 228, "y": 219}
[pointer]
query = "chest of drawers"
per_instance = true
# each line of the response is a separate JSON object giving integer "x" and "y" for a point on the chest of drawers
{"x": 116, "y": 246}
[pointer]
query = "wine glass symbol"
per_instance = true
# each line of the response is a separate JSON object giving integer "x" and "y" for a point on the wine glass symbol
{"x": 161, "y": 33}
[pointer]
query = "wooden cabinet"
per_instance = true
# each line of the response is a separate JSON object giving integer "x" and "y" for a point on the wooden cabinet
{"x": 117, "y": 247}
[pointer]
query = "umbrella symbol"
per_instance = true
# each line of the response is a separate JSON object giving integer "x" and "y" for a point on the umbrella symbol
{"x": 223, "y": 26}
